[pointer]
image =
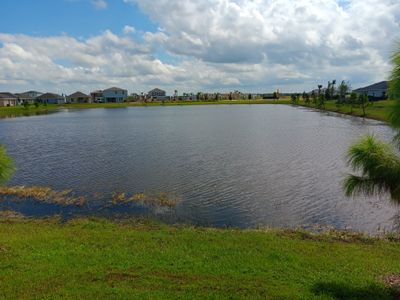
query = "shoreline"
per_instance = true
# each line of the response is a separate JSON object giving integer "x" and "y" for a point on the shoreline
{"x": 377, "y": 111}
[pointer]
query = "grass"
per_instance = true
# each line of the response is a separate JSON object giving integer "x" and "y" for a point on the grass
{"x": 378, "y": 111}
{"x": 17, "y": 111}
{"x": 8, "y": 112}
{"x": 100, "y": 259}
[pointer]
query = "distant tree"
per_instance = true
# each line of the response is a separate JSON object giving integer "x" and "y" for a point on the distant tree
{"x": 314, "y": 98}
{"x": 321, "y": 101}
{"x": 26, "y": 104}
{"x": 250, "y": 96}
{"x": 328, "y": 90}
{"x": 230, "y": 96}
{"x": 333, "y": 90}
{"x": 352, "y": 101}
{"x": 303, "y": 96}
{"x": 307, "y": 99}
{"x": 6, "y": 166}
{"x": 344, "y": 88}
{"x": 295, "y": 98}
{"x": 319, "y": 89}
{"x": 363, "y": 102}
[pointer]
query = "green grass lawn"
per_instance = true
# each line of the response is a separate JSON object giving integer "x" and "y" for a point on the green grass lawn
{"x": 379, "y": 110}
{"x": 17, "y": 111}
{"x": 94, "y": 259}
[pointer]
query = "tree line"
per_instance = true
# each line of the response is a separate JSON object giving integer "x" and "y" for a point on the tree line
{"x": 340, "y": 94}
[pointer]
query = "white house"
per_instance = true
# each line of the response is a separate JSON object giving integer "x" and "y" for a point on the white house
{"x": 156, "y": 94}
{"x": 8, "y": 99}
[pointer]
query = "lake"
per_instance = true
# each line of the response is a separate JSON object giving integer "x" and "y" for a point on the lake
{"x": 229, "y": 165}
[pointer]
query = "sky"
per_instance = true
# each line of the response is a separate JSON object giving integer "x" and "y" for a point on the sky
{"x": 63, "y": 46}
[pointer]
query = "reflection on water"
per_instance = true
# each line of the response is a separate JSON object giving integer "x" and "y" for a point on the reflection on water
{"x": 242, "y": 165}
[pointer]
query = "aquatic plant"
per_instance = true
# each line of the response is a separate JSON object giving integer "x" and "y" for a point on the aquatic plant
{"x": 43, "y": 194}
{"x": 7, "y": 167}
{"x": 158, "y": 199}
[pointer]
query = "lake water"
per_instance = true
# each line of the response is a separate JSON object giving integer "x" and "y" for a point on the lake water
{"x": 230, "y": 165}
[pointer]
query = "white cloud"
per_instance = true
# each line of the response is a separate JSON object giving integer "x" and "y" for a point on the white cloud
{"x": 100, "y": 4}
{"x": 128, "y": 29}
{"x": 216, "y": 45}
{"x": 319, "y": 37}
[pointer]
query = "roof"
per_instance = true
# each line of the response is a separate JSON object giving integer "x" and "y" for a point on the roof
{"x": 114, "y": 89}
{"x": 7, "y": 95}
{"x": 24, "y": 95}
{"x": 30, "y": 92}
{"x": 78, "y": 95}
{"x": 50, "y": 96}
{"x": 156, "y": 90}
{"x": 383, "y": 85}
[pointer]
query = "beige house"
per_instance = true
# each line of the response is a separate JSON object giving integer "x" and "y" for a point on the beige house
{"x": 8, "y": 99}
{"x": 78, "y": 97}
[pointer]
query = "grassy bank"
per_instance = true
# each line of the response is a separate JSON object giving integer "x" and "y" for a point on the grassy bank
{"x": 139, "y": 259}
{"x": 8, "y": 112}
{"x": 378, "y": 111}
{"x": 18, "y": 111}
{"x": 173, "y": 103}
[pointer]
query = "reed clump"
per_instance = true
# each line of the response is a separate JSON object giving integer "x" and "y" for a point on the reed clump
{"x": 43, "y": 194}
{"x": 159, "y": 199}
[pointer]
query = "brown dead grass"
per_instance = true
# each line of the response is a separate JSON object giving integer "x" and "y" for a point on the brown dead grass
{"x": 160, "y": 199}
{"x": 43, "y": 194}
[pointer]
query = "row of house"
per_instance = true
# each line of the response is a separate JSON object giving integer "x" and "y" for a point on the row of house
{"x": 110, "y": 95}
{"x": 116, "y": 95}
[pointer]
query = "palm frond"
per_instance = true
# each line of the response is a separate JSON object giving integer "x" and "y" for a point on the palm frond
{"x": 394, "y": 91}
{"x": 356, "y": 185}
{"x": 394, "y": 83}
{"x": 379, "y": 168}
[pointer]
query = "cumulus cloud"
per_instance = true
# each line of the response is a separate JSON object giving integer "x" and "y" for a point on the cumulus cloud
{"x": 66, "y": 63}
{"x": 217, "y": 45}
{"x": 100, "y": 4}
{"x": 129, "y": 29}
{"x": 311, "y": 36}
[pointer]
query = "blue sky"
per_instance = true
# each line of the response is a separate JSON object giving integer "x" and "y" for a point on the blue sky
{"x": 191, "y": 45}
{"x": 79, "y": 18}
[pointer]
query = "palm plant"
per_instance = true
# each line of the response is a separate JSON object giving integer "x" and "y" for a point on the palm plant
{"x": 394, "y": 85}
{"x": 378, "y": 166}
{"x": 6, "y": 166}
{"x": 377, "y": 163}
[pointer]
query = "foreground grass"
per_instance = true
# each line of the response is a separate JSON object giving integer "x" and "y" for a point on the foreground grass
{"x": 139, "y": 259}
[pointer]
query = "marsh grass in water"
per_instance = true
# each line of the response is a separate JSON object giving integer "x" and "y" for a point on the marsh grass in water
{"x": 158, "y": 199}
{"x": 66, "y": 197}
{"x": 43, "y": 194}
